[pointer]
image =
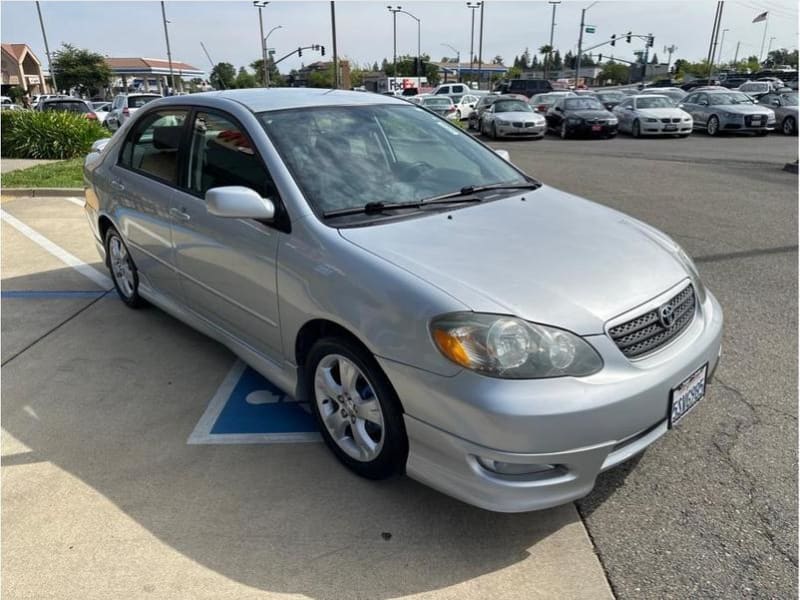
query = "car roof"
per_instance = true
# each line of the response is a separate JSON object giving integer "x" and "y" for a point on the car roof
{"x": 640, "y": 96}
{"x": 261, "y": 99}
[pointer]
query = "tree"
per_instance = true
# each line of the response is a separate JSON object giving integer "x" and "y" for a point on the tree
{"x": 244, "y": 79}
{"x": 80, "y": 69}
{"x": 615, "y": 73}
{"x": 587, "y": 61}
{"x": 513, "y": 73}
{"x": 497, "y": 60}
{"x": 782, "y": 57}
{"x": 535, "y": 62}
{"x": 556, "y": 60}
{"x": 223, "y": 76}
{"x": 569, "y": 60}
{"x": 322, "y": 78}
{"x": 654, "y": 60}
{"x": 546, "y": 51}
{"x": 375, "y": 67}
{"x": 275, "y": 77}
{"x": 525, "y": 59}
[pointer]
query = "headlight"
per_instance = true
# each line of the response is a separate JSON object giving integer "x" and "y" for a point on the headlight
{"x": 694, "y": 274}
{"x": 648, "y": 120}
{"x": 612, "y": 121}
{"x": 687, "y": 119}
{"x": 510, "y": 348}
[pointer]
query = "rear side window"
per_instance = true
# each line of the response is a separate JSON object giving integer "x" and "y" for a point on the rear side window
{"x": 76, "y": 107}
{"x": 222, "y": 154}
{"x": 140, "y": 101}
{"x": 152, "y": 147}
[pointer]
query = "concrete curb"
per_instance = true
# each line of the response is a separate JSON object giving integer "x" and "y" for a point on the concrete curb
{"x": 790, "y": 167}
{"x": 41, "y": 192}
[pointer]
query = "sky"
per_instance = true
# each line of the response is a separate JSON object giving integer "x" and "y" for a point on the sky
{"x": 230, "y": 29}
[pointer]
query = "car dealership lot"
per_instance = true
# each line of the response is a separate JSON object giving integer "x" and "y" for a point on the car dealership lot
{"x": 102, "y": 495}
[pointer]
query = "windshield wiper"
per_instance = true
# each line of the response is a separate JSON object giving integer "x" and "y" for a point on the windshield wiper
{"x": 374, "y": 208}
{"x": 474, "y": 189}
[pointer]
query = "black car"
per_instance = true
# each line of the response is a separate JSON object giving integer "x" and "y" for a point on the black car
{"x": 528, "y": 87}
{"x": 581, "y": 116}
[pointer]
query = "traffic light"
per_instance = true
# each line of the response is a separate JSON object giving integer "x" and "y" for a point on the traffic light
{"x": 628, "y": 37}
{"x": 299, "y": 52}
{"x": 599, "y": 58}
{"x": 613, "y": 40}
{"x": 322, "y": 50}
{"x": 650, "y": 41}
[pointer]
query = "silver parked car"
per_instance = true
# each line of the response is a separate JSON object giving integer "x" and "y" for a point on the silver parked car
{"x": 445, "y": 314}
{"x": 784, "y": 104}
{"x": 512, "y": 118}
{"x": 723, "y": 110}
{"x": 652, "y": 115}
{"x": 124, "y": 106}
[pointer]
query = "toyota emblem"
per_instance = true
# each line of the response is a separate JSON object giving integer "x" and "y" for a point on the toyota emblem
{"x": 667, "y": 315}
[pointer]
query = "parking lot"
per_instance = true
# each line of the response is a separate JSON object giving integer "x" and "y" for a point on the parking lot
{"x": 119, "y": 480}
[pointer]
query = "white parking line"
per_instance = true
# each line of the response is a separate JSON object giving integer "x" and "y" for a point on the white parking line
{"x": 68, "y": 259}
{"x": 77, "y": 201}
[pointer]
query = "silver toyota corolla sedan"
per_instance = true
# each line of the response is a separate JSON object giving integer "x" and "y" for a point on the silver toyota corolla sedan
{"x": 445, "y": 314}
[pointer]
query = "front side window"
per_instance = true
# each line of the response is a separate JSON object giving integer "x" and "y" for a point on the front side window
{"x": 347, "y": 156}
{"x": 222, "y": 154}
{"x": 152, "y": 146}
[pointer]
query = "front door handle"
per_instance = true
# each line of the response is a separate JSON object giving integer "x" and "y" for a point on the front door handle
{"x": 117, "y": 185}
{"x": 179, "y": 213}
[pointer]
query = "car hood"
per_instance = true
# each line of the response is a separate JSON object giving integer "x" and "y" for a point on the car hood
{"x": 553, "y": 258}
{"x": 589, "y": 114}
{"x": 662, "y": 113}
{"x": 741, "y": 109}
{"x": 518, "y": 116}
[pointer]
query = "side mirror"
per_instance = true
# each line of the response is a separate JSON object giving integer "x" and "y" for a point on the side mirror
{"x": 239, "y": 202}
{"x": 99, "y": 145}
{"x": 776, "y": 102}
{"x": 503, "y": 154}
{"x": 472, "y": 105}
{"x": 559, "y": 109}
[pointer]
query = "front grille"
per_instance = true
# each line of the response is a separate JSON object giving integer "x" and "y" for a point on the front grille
{"x": 760, "y": 120}
{"x": 647, "y": 333}
{"x": 595, "y": 121}
{"x": 677, "y": 120}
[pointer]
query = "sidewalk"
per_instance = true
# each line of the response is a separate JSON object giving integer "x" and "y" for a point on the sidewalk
{"x": 14, "y": 164}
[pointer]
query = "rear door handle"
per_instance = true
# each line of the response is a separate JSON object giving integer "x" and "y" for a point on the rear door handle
{"x": 179, "y": 213}
{"x": 117, "y": 185}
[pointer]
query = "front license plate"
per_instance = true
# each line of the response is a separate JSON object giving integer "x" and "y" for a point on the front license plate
{"x": 597, "y": 127}
{"x": 670, "y": 128}
{"x": 756, "y": 121}
{"x": 687, "y": 395}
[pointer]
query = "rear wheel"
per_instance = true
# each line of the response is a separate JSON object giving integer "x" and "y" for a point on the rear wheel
{"x": 712, "y": 127}
{"x": 357, "y": 409}
{"x": 564, "y": 132}
{"x": 123, "y": 270}
{"x": 494, "y": 131}
{"x": 789, "y": 126}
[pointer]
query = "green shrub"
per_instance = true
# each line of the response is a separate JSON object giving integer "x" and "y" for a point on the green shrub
{"x": 47, "y": 134}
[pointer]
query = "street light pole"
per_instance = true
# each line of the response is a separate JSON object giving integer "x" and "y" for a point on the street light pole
{"x": 336, "y": 81}
{"x": 259, "y": 4}
{"x": 266, "y": 47}
{"x": 458, "y": 60}
{"x": 169, "y": 53}
{"x": 399, "y": 9}
{"x": 769, "y": 46}
{"x": 580, "y": 44}
{"x": 721, "y": 43}
{"x": 394, "y": 12}
{"x": 47, "y": 50}
{"x": 552, "y": 28}
{"x": 472, "y": 6}
{"x": 480, "y": 48}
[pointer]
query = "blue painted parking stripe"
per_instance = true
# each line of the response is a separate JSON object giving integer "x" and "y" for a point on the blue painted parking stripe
{"x": 55, "y": 294}
{"x": 248, "y": 409}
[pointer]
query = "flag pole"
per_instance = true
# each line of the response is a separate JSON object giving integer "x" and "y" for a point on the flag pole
{"x": 763, "y": 39}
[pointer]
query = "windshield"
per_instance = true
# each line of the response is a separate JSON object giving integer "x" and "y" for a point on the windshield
{"x": 346, "y": 156}
{"x": 610, "y": 96}
{"x": 77, "y": 107}
{"x": 583, "y": 103}
{"x": 654, "y": 102}
{"x": 729, "y": 98}
{"x": 140, "y": 101}
{"x": 511, "y": 106}
{"x": 789, "y": 99}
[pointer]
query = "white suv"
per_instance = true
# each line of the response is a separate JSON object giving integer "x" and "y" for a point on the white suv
{"x": 452, "y": 89}
{"x": 123, "y": 106}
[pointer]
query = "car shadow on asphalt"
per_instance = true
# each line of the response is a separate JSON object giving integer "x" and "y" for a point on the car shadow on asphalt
{"x": 606, "y": 486}
{"x": 111, "y": 395}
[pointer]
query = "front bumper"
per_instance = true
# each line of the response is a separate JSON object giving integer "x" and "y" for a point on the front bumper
{"x": 660, "y": 128}
{"x": 524, "y": 131}
{"x": 588, "y": 130}
{"x": 742, "y": 123}
{"x": 579, "y": 426}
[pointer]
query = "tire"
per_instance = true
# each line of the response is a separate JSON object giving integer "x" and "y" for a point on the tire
{"x": 563, "y": 131}
{"x": 469, "y": 125}
{"x": 370, "y": 434}
{"x": 458, "y": 112}
{"x": 712, "y": 126}
{"x": 123, "y": 270}
{"x": 636, "y": 129}
{"x": 494, "y": 131}
{"x": 789, "y": 126}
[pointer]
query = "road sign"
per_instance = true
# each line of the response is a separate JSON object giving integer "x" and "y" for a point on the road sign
{"x": 590, "y": 29}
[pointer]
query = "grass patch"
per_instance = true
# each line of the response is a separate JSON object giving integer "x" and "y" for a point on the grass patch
{"x": 62, "y": 174}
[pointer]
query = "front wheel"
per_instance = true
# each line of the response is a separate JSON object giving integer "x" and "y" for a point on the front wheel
{"x": 123, "y": 271}
{"x": 712, "y": 127}
{"x": 564, "y": 132}
{"x": 789, "y": 126}
{"x": 636, "y": 129}
{"x": 494, "y": 131}
{"x": 356, "y": 408}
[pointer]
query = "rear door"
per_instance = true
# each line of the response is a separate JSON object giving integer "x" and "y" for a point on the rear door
{"x": 143, "y": 183}
{"x": 227, "y": 266}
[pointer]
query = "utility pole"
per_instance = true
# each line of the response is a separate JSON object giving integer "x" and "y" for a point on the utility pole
{"x": 258, "y": 4}
{"x": 646, "y": 53}
{"x": 670, "y": 50}
{"x": 394, "y": 29}
{"x": 480, "y": 48}
{"x": 169, "y": 54}
{"x": 47, "y": 49}
{"x": 713, "y": 43}
{"x": 721, "y": 44}
{"x": 269, "y": 58}
{"x": 472, "y": 6}
{"x": 336, "y": 81}
{"x": 552, "y": 28}
{"x": 769, "y": 47}
{"x": 736, "y": 56}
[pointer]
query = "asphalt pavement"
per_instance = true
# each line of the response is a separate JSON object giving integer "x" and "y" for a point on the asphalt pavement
{"x": 710, "y": 511}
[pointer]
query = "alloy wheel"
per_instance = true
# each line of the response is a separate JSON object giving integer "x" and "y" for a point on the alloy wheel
{"x": 712, "y": 127}
{"x": 349, "y": 407}
{"x": 563, "y": 130}
{"x": 789, "y": 126}
{"x": 121, "y": 266}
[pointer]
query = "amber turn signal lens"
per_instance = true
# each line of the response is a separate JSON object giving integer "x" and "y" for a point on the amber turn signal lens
{"x": 452, "y": 348}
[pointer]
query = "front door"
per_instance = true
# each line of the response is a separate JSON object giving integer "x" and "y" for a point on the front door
{"x": 227, "y": 265}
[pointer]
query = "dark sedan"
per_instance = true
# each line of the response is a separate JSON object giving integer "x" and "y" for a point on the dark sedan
{"x": 581, "y": 116}
{"x": 610, "y": 99}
